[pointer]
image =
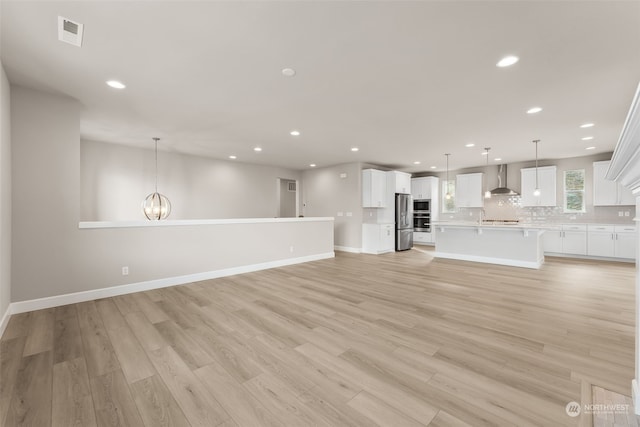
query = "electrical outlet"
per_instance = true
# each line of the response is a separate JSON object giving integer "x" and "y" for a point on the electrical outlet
{"x": 343, "y": 175}
{"x": 339, "y": 214}
{"x": 349, "y": 213}
{"x": 370, "y": 213}
{"x": 125, "y": 271}
{"x": 620, "y": 213}
{"x": 290, "y": 248}
{"x": 626, "y": 213}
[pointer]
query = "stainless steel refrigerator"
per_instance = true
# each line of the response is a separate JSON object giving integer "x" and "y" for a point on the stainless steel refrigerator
{"x": 404, "y": 222}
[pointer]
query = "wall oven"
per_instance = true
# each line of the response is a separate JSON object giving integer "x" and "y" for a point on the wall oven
{"x": 422, "y": 215}
{"x": 422, "y": 222}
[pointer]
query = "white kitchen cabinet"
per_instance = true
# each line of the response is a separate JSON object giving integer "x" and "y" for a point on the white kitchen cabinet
{"x": 574, "y": 240}
{"x": 612, "y": 241}
{"x": 469, "y": 190}
{"x": 400, "y": 182}
{"x": 423, "y": 238}
{"x": 626, "y": 240}
{"x": 396, "y": 182}
{"x": 546, "y": 184}
{"x": 374, "y": 188}
{"x": 567, "y": 239}
{"x": 601, "y": 240}
{"x": 552, "y": 241}
{"x": 424, "y": 188}
{"x": 606, "y": 192}
{"x": 378, "y": 238}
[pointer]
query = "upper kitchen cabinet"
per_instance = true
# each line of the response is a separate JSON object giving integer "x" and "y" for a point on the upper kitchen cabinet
{"x": 424, "y": 188}
{"x": 609, "y": 193}
{"x": 469, "y": 190}
{"x": 374, "y": 188}
{"x": 400, "y": 182}
{"x": 546, "y": 184}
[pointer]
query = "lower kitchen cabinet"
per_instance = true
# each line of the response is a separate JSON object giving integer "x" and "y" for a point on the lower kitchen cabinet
{"x": 567, "y": 239}
{"x": 423, "y": 238}
{"x": 597, "y": 240}
{"x": 378, "y": 238}
{"x": 612, "y": 241}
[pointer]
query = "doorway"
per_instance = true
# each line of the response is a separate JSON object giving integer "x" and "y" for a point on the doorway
{"x": 287, "y": 195}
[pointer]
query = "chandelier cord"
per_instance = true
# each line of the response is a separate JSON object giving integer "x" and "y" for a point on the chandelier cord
{"x": 156, "y": 140}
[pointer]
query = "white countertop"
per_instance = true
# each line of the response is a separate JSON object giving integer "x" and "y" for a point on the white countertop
{"x": 183, "y": 222}
{"x": 475, "y": 224}
{"x": 524, "y": 225}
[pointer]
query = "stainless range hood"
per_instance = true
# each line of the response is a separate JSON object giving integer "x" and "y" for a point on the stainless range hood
{"x": 503, "y": 190}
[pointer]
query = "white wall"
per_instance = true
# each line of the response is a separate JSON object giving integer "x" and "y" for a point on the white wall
{"x": 325, "y": 193}
{"x": 5, "y": 193}
{"x": 115, "y": 179}
{"x": 52, "y": 256}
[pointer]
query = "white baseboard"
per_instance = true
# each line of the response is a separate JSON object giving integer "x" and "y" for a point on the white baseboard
{"x": 385, "y": 251}
{"x": 4, "y": 321}
{"x": 58, "y": 300}
{"x": 635, "y": 395}
{"x": 491, "y": 260}
{"x": 347, "y": 249}
{"x": 597, "y": 258}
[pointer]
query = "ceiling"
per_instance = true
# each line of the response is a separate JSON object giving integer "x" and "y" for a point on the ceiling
{"x": 402, "y": 81}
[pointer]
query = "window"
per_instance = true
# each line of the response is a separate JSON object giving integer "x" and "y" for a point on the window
{"x": 574, "y": 191}
{"x": 448, "y": 206}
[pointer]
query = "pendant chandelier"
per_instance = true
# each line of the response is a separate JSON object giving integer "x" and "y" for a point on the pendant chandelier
{"x": 448, "y": 195}
{"x": 156, "y": 206}
{"x": 536, "y": 192}
{"x": 487, "y": 193}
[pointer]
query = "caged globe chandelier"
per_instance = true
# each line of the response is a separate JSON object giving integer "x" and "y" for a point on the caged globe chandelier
{"x": 156, "y": 206}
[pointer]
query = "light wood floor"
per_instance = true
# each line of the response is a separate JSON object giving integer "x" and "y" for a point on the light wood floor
{"x": 359, "y": 340}
{"x": 608, "y": 409}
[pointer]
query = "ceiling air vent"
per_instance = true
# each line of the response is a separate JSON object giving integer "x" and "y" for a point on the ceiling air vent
{"x": 70, "y": 31}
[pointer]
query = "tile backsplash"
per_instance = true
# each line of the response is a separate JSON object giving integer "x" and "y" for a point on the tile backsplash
{"x": 508, "y": 207}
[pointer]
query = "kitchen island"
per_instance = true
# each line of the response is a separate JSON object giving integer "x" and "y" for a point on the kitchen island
{"x": 518, "y": 245}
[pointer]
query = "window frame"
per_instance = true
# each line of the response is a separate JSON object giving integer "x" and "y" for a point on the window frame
{"x": 566, "y": 191}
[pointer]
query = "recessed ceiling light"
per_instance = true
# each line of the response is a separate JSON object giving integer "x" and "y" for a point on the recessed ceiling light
{"x": 587, "y": 138}
{"x": 313, "y": 165}
{"x": 534, "y": 110}
{"x": 295, "y": 133}
{"x": 587, "y": 125}
{"x": 354, "y": 149}
{"x": 469, "y": 145}
{"x": 416, "y": 163}
{"x": 232, "y": 157}
{"x": 497, "y": 159}
{"x": 507, "y": 61}
{"x": 433, "y": 167}
{"x": 257, "y": 149}
{"x": 590, "y": 148}
{"x": 116, "y": 84}
{"x": 288, "y": 72}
